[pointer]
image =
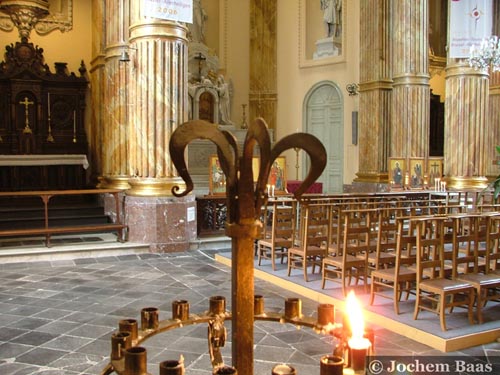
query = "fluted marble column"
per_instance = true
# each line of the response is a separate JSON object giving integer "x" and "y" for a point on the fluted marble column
{"x": 466, "y": 130}
{"x": 158, "y": 103}
{"x": 115, "y": 114}
{"x": 411, "y": 93}
{"x": 158, "y": 100}
{"x": 375, "y": 89}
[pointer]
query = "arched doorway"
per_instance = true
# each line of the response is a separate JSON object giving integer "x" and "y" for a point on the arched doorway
{"x": 323, "y": 117}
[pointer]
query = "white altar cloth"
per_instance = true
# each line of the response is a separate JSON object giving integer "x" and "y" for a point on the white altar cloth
{"x": 38, "y": 159}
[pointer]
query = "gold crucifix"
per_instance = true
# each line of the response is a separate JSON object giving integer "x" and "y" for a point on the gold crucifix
{"x": 26, "y": 103}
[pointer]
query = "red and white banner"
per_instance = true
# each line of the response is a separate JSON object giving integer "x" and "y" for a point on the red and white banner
{"x": 471, "y": 21}
{"x": 174, "y": 10}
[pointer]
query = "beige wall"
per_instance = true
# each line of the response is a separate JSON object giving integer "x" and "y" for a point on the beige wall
{"x": 233, "y": 45}
{"x": 295, "y": 82}
{"x": 71, "y": 47}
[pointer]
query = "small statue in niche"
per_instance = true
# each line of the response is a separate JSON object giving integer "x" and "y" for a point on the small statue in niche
{"x": 332, "y": 17}
{"x": 224, "y": 90}
{"x": 197, "y": 28}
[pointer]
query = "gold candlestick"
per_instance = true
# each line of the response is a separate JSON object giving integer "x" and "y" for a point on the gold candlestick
{"x": 297, "y": 150}
{"x": 74, "y": 126}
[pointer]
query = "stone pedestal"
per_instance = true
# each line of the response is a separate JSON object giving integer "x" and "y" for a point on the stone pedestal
{"x": 168, "y": 224}
{"x": 326, "y": 47}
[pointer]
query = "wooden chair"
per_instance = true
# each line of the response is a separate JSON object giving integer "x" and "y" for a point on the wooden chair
{"x": 311, "y": 247}
{"x": 468, "y": 250}
{"x": 493, "y": 243}
{"x": 397, "y": 277}
{"x": 382, "y": 239}
{"x": 434, "y": 292}
{"x": 353, "y": 261}
{"x": 282, "y": 233}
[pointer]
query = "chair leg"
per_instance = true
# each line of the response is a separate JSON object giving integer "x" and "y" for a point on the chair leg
{"x": 289, "y": 264}
{"x": 471, "y": 306}
{"x": 272, "y": 258}
{"x": 442, "y": 311}
{"x": 372, "y": 292}
{"x": 479, "y": 304}
{"x": 397, "y": 296}
{"x": 304, "y": 266}
{"x": 417, "y": 304}
{"x": 323, "y": 276}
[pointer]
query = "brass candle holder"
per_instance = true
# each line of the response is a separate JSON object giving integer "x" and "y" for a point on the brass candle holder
{"x": 127, "y": 356}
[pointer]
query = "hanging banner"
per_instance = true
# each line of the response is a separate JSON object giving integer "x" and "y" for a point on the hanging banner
{"x": 471, "y": 21}
{"x": 174, "y": 10}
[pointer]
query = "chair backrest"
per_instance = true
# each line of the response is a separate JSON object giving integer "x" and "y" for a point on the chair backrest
{"x": 492, "y": 256}
{"x": 465, "y": 243}
{"x": 283, "y": 223}
{"x": 430, "y": 247}
{"x": 387, "y": 234}
{"x": 315, "y": 227}
{"x": 356, "y": 239}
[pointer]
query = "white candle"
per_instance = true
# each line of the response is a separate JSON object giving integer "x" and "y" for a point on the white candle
{"x": 48, "y": 103}
{"x": 268, "y": 187}
{"x": 444, "y": 185}
{"x": 272, "y": 190}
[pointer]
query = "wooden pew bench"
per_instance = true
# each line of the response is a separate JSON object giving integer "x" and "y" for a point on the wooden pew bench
{"x": 47, "y": 230}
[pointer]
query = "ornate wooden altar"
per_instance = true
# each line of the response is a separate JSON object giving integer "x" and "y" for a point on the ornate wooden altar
{"x": 40, "y": 113}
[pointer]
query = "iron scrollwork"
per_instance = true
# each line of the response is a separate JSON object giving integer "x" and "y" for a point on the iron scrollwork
{"x": 244, "y": 201}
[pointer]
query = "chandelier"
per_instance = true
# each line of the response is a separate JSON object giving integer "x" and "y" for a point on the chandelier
{"x": 486, "y": 55}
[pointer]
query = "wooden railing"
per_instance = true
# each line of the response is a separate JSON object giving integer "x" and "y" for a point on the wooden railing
{"x": 47, "y": 230}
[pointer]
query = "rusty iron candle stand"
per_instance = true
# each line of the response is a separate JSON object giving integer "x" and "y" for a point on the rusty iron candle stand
{"x": 244, "y": 201}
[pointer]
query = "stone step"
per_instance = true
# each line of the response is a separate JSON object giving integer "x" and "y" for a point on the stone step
{"x": 66, "y": 247}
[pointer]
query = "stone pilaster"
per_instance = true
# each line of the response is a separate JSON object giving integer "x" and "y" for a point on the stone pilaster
{"x": 375, "y": 89}
{"x": 492, "y": 169}
{"x": 263, "y": 95}
{"x": 115, "y": 110}
{"x": 97, "y": 82}
{"x": 467, "y": 129}
{"x": 411, "y": 94}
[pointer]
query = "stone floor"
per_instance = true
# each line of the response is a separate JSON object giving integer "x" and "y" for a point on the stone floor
{"x": 56, "y": 317}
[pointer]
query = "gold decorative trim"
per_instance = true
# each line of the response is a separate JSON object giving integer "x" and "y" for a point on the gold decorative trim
{"x": 114, "y": 182}
{"x": 60, "y": 18}
{"x": 381, "y": 177}
{"x": 466, "y": 183}
{"x": 154, "y": 187}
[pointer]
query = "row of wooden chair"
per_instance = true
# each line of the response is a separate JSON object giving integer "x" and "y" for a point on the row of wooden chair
{"x": 383, "y": 244}
{"x": 447, "y": 261}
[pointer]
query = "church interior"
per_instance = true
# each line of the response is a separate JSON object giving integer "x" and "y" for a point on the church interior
{"x": 249, "y": 187}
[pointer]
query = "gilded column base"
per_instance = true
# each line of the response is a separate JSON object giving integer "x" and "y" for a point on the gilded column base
{"x": 154, "y": 187}
{"x": 466, "y": 183}
{"x": 114, "y": 182}
{"x": 371, "y": 177}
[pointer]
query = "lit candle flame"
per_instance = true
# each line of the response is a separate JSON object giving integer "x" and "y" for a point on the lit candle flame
{"x": 355, "y": 313}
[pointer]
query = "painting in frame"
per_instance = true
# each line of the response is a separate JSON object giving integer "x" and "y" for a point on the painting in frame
{"x": 313, "y": 33}
{"x": 434, "y": 169}
{"x": 397, "y": 171}
{"x": 216, "y": 177}
{"x": 277, "y": 176}
{"x": 416, "y": 171}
